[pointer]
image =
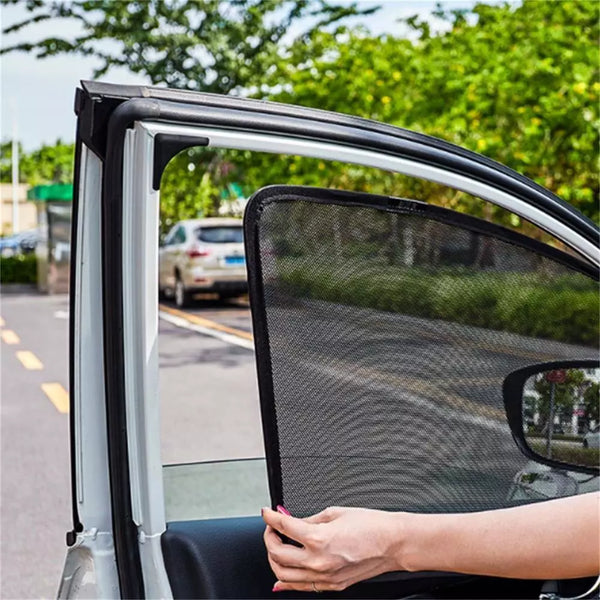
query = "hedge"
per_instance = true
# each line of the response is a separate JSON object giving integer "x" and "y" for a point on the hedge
{"x": 21, "y": 268}
{"x": 564, "y": 309}
{"x": 575, "y": 455}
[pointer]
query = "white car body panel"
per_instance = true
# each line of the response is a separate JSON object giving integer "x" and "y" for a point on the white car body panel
{"x": 140, "y": 291}
{"x": 90, "y": 568}
{"x": 278, "y": 144}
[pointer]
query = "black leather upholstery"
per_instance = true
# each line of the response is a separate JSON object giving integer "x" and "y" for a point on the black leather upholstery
{"x": 220, "y": 558}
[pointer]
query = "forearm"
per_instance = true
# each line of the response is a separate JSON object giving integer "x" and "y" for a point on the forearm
{"x": 558, "y": 539}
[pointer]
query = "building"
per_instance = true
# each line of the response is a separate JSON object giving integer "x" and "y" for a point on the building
{"x": 27, "y": 213}
{"x": 53, "y": 203}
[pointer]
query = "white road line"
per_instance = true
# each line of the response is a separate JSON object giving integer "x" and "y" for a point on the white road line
{"x": 220, "y": 335}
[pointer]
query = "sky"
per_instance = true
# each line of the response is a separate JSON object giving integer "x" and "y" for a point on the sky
{"x": 36, "y": 95}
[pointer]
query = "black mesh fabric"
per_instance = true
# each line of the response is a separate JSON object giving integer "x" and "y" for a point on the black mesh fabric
{"x": 384, "y": 330}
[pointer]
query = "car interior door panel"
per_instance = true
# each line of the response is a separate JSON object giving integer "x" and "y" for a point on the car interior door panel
{"x": 226, "y": 558}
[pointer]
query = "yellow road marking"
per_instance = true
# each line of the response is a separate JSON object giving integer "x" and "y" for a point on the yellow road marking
{"x": 206, "y": 322}
{"x": 57, "y": 395}
{"x": 30, "y": 361}
{"x": 2, "y": 323}
{"x": 10, "y": 337}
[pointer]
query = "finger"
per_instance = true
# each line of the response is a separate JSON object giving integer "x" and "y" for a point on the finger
{"x": 325, "y": 516}
{"x": 293, "y": 575}
{"x": 285, "y": 554}
{"x": 283, "y": 586}
{"x": 294, "y": 528}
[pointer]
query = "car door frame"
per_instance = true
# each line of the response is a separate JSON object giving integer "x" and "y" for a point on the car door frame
{"x": 123, "y": 126}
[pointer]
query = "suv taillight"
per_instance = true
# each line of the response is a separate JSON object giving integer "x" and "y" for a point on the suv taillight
{"x": 197, "y": 251}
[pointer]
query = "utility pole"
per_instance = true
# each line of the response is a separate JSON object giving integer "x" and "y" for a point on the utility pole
{"x": 550, "y": 422}
{"x": 15, "y": 175}
{"x": 15, "y": 186}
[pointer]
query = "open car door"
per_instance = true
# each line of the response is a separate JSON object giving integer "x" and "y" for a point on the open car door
{"x": 381, "y": 341}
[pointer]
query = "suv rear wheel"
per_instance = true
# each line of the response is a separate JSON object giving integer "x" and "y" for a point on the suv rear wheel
{"x": 182, "y": 297}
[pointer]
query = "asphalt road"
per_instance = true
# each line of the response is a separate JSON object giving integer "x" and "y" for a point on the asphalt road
{"x": 209, "y": 411}
{"x": 426, "y": 395}
{"x": 357, "y": 384}
{"x": 35, "y": 486}
{"x": 209, "y": 407}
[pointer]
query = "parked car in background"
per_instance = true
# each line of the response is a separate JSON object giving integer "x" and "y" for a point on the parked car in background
{"x": 592, "y": 438}
{"x": 9, "y": 245}
{"x": 19, "y": 243}
{"x": 202, "y": 255}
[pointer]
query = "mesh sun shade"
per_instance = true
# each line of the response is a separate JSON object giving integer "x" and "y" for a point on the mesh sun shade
{"x": 384, "y": 330}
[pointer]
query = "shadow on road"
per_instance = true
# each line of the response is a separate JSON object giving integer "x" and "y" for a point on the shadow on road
{"x": 226, "y": 356}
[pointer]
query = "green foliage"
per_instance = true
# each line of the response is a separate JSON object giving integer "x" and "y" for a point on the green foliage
{"x": 493, "y": 301}
{"x": 188, "y": 189}
{"x": 206, "y": 45}
{"x": 517, "y": 84}
{"x": 21, "y": 268}
{"x": 48, "y": 164}
{"x": 568, "y": 453}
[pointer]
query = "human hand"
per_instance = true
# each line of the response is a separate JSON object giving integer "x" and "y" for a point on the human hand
{"x": 340, "y": 546}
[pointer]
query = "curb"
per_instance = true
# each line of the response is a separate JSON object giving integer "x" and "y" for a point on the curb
{"x": 19, "y": 288}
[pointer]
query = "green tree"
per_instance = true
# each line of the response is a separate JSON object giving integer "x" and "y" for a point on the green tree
{"x": 519, "y": 84}
{"x": 566, "y": 394}
{"x": 206, "y": 45}
{"x": 48, "y": 164}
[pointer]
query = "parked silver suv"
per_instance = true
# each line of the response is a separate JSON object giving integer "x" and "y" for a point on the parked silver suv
{"x": 202, "y": 255}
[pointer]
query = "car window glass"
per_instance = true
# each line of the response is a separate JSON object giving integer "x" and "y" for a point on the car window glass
{"x": 169, "y": 237}
{"x": 209, "y": 394}
{"x": 389, "y": 328}
{"x": 220, "y": 235}
{"x": 179, "y": 237}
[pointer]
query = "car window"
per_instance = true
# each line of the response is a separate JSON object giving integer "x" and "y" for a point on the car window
{"x": 385, "y": 347}
{"x": 180, "y": 236}
{"x": 220, "y": 235}
{"x": 169, "y": 237}
{"x": 210, "y": 410}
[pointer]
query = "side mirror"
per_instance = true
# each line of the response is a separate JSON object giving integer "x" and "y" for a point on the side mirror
{"x": 553, "y": 413}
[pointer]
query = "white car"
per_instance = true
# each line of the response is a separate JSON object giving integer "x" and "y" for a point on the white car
{"x": 592, "y": 438}
{"x": 202, "y": 255}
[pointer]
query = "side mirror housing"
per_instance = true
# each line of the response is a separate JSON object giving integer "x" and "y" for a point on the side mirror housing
{"x": 553, "y": 413}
